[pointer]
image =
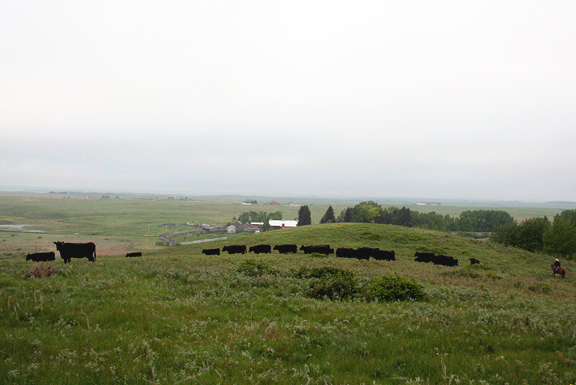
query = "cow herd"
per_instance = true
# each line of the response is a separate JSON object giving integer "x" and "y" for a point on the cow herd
{"x": 88, "y": 250}
{"x": 362, "y": 253}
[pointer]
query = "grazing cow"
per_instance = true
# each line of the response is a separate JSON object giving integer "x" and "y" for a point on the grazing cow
{"x": 321, "y": 249}
{"x": 384, "y": 255}
{"x": 474, "y": 261}
{"x": 76, "y": 250}
{"x": 285, "y": 249}
{"x": 215, "y": 251}
{"x": 445, "y": 260}
{"x": 134, "y": 254}
{"x": 366, "y": 252}
{"x": 41, "y": 257}
{"x": 424, "y": 257}
{"x": 235, "y": 249}
{"x": 264, "y": 249}
{"x": 345, "y": 252}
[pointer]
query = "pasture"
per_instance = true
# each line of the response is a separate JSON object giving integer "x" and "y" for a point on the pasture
{"x": 176, "y": 316}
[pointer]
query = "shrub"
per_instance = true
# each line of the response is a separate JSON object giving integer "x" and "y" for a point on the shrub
{"x": 40, "y": 270}
{"x": 318, "y": 255}
{"x": 394, "y": 288}
{"x": 332, "y": 282}
{"x": 253, "y": 268}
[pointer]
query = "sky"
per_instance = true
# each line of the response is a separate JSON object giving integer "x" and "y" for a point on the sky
{"x": 414, "y": 99}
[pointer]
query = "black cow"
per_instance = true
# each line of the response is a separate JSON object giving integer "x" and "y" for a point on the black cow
{"x": 365, "y": 252}
{"x": 384, "y": 255}
{"x": 41, "y": 257}
{"x": 345, "y": 252}
{"x": 445, "y": 260}
{"x": 474, "y": 261}
{"x": 321, "y": 249}
{"x": 424, "y": 257}
{"x": 134, "y": 254}
{"x": 285, "y": 249}
{"x": 76, "y": 250}
{"x": 264, "y": 249}
{"x": 215, "y": 251}
{"x": 235, "y": 249}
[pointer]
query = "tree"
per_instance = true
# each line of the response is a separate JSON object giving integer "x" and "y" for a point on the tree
{"x": 304, "y": 216}
{"x": 328, "y": 216}
{"x": 560, "y": 238}
{"x": 345, "y": 216}
{"x": 366, "y": 212}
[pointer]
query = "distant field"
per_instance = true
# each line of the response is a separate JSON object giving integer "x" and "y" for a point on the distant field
{"x": 122, "y": 223}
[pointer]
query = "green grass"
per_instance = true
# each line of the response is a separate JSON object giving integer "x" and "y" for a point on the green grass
{"x": 177, "y": 316}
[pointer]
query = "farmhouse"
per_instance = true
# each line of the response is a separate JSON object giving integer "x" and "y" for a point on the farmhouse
{"x": 282, "y": 223}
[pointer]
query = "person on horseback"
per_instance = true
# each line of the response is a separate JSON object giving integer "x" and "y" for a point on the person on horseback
{"x": 555, "y": 266}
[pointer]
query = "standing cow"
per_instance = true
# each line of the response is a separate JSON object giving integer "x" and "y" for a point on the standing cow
{"x": 285, "y": 249}
{"x": 264, "y": 249}
{"x": 76, "y": 250}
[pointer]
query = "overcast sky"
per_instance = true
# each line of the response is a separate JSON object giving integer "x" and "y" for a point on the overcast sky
{"x": 415, "y": 99}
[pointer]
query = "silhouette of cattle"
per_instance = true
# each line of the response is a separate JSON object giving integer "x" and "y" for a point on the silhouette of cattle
{"x": 445, "y": 260}
{"x": 321, "y": 249}
{"x": 235, "y": 249}
{"x": 384, "y": 255}
{"x": 215, "y": 251}
{"x": 134, "y": 254}
{"x": 344, "y": 252}
{"x": 285, "y": 249}
{"x": 41, "y": 257}
{"x": 76, "y": 250}
{"x": 474, "y": 261}
{"x": 264, "y": 249}
{"x": 424, "y": 257}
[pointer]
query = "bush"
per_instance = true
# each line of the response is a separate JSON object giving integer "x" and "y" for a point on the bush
{"x": 333, "y": 283}
{"x": 394, "y": 288}
{"x": 252, "y": 268}
{"x": 40, "y": 270}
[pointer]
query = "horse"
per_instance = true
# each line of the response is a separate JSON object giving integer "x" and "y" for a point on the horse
{"x": 559, "y": 271}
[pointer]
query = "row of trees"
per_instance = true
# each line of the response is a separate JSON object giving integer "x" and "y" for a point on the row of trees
{"x": 468, "y": 221}
{"x": 539, "y": 234}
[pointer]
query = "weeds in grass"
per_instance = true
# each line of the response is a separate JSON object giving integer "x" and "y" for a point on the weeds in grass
{"x": 40, "y": 270}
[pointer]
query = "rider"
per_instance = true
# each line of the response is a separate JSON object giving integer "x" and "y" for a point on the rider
{"x": 556, "y": 265}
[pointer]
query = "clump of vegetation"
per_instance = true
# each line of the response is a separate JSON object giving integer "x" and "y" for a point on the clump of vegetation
{"x": 40, "y": 270}
{"x": 333, "y": 283}
{"x": 317, "y": 255}
{"x": 394, "y": 288}
{"x": 252, "y": 268}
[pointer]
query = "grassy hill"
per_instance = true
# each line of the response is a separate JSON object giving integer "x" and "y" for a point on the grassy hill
{"x": 176, "y": 316}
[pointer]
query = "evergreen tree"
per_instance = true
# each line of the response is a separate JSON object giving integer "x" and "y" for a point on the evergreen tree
{"x": 304, "y": 216}
{"x": 328, "y": 216}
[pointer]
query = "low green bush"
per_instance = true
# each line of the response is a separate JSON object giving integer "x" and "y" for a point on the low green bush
{"x": 333, "y": 283}
{"x": 253, "y": 268}
{"x": 394, "y": 288}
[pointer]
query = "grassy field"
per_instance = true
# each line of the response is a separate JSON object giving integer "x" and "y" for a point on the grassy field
{"x": 176, "y": 316}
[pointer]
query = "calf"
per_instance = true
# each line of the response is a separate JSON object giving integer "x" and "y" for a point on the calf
{"x": 215, "y": 251}
{"x": 134, "y": 254}
{"x": 474, "y": 261}
{"x": 41, "y": 257}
